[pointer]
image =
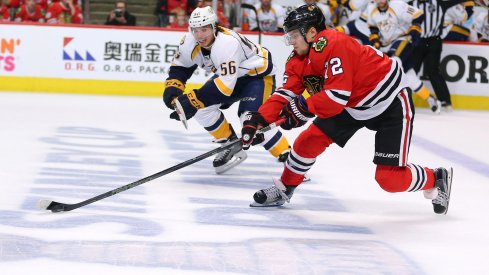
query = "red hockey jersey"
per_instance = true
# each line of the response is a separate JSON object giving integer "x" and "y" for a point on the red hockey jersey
{"x": 358, "y": 78}
{"x": 292, "y": 86}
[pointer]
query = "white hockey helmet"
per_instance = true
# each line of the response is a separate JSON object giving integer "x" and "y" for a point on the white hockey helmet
{"x": 202, "y": 17}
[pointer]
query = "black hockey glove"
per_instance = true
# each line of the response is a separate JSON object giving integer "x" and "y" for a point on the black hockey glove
{"x": 190, "y": 104}
{"x": 253, "y": 123}
{"x": 295, "y": 113}
{"x": 169, "y": 95}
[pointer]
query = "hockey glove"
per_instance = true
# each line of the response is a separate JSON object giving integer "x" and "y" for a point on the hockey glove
{"x": 374, "y": 40}
{"x": 190, "y": 104}
{"x": 173, "y": 89}
{"x": 295, "y": 113}
{"x": 253, "y": 123}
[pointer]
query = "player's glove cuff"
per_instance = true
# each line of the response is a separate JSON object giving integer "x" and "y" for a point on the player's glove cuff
{"x": 251, "y": 125}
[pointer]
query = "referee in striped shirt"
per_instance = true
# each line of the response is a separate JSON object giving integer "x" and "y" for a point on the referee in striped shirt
{"x": 428, "y": 50}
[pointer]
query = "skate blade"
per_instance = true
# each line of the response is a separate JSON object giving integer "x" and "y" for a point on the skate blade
{"x": 306, "y": 178}
{"x": 237, "y": 159}
{"x": 275, "y": 204}
{"x": 449, "y": 187}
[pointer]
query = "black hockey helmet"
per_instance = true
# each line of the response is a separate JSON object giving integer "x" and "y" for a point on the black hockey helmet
{"x": 304, "y": 17}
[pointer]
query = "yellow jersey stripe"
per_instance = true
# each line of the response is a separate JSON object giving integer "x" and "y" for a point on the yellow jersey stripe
{"x": 222, "y": 87}
{"x": 268, "y": 90}
{"x": 195, "y": 51}
{"x": 257, "y": 71}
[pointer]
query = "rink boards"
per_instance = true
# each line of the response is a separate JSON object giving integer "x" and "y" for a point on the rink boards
{"x": 135, "y": 61}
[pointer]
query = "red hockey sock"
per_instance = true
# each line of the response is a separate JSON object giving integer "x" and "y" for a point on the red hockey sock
{"x": 410, "y": 178}
{"x": 308, "y": 145}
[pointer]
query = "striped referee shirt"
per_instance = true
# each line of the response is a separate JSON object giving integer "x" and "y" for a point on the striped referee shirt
{"x": 434, "y": 11}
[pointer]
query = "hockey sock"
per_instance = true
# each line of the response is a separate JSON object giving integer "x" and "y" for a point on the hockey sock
{"x": 221, "y": 129}
{"x": 423, "y": 93}
{"x": 404, "y": 179}
{"x": 276, "y": 144}
{"x": 308, "y": 145}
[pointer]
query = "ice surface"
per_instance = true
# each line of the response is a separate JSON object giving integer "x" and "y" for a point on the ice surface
{"x": 69, "y": 148}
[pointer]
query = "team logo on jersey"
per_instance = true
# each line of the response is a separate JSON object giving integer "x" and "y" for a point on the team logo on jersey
{"x": 313, "y": 83}
{"x": 320, "y": 44}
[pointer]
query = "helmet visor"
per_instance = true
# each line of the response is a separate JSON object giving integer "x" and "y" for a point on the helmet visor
{"x": 291, "y": 37}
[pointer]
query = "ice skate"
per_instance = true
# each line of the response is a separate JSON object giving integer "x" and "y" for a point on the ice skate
{"x": 275, "y": 195}
{"x": 447, "y": 107}
{"x": 435, "y": 104}
{"x": 229, "y": 158}
{"x": 443, "y": 184}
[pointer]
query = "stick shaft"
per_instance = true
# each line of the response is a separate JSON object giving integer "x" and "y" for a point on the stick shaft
{"x": 58, "y": 207}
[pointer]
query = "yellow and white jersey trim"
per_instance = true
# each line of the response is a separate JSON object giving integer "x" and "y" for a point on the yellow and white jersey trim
{"x": 231, "y": 56}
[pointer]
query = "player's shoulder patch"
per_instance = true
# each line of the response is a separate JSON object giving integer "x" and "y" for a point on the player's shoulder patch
{"x": 292, "y": 54}
{"x": 320, "y": 44}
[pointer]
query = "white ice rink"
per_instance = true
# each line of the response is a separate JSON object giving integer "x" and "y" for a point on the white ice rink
{"x": 72, "y": 147}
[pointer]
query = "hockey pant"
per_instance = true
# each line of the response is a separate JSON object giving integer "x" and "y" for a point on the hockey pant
{"x": 312, "y": 142}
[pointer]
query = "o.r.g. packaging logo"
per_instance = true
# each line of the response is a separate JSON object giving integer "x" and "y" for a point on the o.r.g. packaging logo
{"x": 76, "y": 59}
{"x": 7, "y": 53}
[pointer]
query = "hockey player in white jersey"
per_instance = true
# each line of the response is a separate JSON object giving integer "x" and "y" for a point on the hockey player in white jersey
{"x": 453, "y": 29}
{"x": 356, "y": 22}
{"x": 395, "y": 29}
{"x": 325, "y": 9}
{"x": 243, "y": 72}
{"x": 480, "y": 27}
{"x": 269, "y": 15}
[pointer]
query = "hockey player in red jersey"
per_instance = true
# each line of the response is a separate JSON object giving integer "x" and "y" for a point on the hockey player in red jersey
{"x": 351, "y": 86}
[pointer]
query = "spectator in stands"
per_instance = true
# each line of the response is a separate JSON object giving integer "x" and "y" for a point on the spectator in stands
{"x": 44, "y": 4}
{"x": 120, "y": 16}
{"x": 229, "y": 10}
{"x": 64, "y": 12}
{"x": 164, "y": 8}
{"x": 221, "y": 18}
{"x": 6, "y": 10}
{"x": 15, "y": 4}
{"x": 180, "y": 19}
{"x": 270, "y": 17}
{"x": 30, "y": 12}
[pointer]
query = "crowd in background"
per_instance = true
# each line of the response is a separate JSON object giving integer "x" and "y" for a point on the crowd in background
{"x": 42, "y": 11}
{"x": 246, "y": 15}
{"x": 268, "y": 16}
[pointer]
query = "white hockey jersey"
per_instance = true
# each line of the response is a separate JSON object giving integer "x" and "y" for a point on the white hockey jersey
{"x": 481, "y": 25}
{"x": 454, "y": 15}
{"x": 394, "y": 22}
{"x": 350, "y": 12}
{"x": 231, "y": 56}
{"x": 269, "y": 21}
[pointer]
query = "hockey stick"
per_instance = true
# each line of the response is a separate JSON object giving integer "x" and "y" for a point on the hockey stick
{"x": 253, "y": 8}
{"x": 64, "y": 207}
